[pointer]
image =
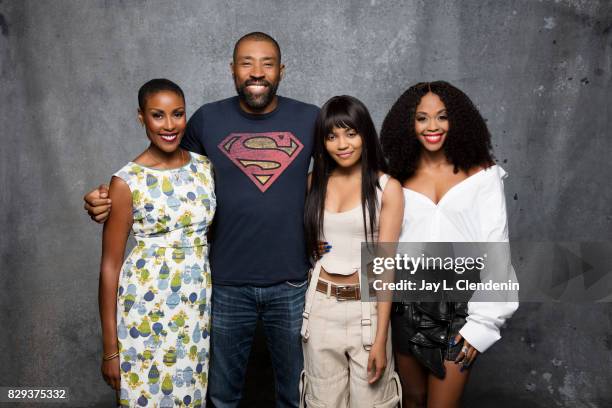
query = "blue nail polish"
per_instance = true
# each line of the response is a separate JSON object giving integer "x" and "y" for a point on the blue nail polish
{"x": 452, "y": 341}
{"x": 462, "y": 369}
{"x": 327, "y": 250}
{"x": 328, "y": 247}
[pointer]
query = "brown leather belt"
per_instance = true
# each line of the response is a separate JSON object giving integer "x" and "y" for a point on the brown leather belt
{"x": 340, "y": 292}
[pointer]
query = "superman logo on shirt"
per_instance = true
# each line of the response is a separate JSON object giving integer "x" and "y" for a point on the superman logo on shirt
{"x": 262, "y": 157}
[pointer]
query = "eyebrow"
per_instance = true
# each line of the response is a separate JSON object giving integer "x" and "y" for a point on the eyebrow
{"x": 440, "y": 111}
{"x": 162, "y": 111}
{"x": 248, "y": 57}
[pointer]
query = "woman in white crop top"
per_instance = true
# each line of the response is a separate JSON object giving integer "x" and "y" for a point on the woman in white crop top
{"x": 347, "y": 349}
{"x": 439, "y": 147}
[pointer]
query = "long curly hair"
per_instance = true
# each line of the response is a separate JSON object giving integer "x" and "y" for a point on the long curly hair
{"x": 468, "y": 141}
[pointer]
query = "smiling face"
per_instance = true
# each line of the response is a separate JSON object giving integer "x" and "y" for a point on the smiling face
{"x": 344, "y": 145}
{"x": 431, "y": 122}
{"x": 163, "y": 116}
{"x": 257, "y": 71}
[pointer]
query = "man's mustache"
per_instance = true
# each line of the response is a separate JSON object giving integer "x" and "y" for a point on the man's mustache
{"x": 260, "y": 82}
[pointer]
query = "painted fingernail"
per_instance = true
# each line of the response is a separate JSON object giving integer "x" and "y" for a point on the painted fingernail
{"x": 327, "y": 250}
{"x": 452, "y": 341}
{"x": 462, "y": 369}
{"x": 328, "y": 247}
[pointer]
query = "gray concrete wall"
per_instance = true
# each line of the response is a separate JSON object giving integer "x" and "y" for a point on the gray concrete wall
{"x": 69, "y": 72}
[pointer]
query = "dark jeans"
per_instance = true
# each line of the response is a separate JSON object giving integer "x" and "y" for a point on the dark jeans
{"x": 235, "y": 310}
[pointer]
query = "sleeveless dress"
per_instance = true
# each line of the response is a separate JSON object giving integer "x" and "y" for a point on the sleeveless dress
{"x": 163, "y": 300}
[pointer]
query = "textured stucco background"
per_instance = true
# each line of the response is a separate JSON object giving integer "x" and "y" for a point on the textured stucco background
{"x": 69, "y": 71}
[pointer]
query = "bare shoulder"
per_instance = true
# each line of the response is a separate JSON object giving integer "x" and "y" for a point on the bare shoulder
{"x": 393, "y": 190}
{"x": 477, "y": 169}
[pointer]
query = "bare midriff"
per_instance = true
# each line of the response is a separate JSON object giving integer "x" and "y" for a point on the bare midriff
{"x": 341, "y": 279}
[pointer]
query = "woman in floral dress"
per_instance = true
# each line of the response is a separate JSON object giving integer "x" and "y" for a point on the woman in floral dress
{"x": 155, "y": 307}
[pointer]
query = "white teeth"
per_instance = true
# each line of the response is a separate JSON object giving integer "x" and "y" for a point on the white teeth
{"x": 168, "y": 138}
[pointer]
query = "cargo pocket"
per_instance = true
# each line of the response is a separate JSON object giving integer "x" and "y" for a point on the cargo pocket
{"x": 313, "y": 403}
{"x": 306, "y": 398}
{"x": 393, "y": 394}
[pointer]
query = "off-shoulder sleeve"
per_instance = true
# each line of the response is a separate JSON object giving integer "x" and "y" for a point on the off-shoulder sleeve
{"x": 492, "y": 207}
{"x": 485, "y": 318}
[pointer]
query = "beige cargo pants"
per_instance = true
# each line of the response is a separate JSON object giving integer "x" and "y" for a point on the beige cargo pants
{"x": 335, "y": 359}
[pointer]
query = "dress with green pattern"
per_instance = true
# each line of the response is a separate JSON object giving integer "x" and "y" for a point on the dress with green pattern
{"x": 163, "y": 309}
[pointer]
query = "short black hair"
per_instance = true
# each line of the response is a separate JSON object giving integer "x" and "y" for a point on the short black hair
{"x": 157, "y": 85}
{"x": 257, "y": 36}
{"x": 468, "y": 143}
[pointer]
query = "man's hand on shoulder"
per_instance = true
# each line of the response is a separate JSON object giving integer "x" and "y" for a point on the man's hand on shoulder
{"x": 97, "y": 204}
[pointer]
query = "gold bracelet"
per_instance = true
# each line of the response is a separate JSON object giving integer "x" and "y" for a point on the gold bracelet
{"x": 109, "y": 357}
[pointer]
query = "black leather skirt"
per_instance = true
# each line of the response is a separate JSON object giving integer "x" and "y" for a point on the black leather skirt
{"x": 424, "y": 329}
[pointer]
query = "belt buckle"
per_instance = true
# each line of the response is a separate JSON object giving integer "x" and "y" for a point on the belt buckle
{"x": 342, "y": 288}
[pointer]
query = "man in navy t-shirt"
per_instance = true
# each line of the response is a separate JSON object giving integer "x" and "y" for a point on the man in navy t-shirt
{"x": 260, "y": 162}
{"x": 260, "y": 146}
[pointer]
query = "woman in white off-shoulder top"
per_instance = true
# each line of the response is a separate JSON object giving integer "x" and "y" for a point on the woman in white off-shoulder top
{"x": 439, "y": 148}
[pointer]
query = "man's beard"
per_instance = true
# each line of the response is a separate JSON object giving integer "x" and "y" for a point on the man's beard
{"x": 260, "y": 101}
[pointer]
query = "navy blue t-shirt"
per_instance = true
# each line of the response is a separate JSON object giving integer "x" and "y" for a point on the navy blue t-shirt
{"x": 261, "y": 165}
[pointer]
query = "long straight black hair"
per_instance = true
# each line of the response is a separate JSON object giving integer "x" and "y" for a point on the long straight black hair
{"x": 349, "y": 113}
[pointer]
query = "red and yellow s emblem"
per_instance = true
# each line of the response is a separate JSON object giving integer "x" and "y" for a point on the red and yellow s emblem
{"x": 261, "y": 156}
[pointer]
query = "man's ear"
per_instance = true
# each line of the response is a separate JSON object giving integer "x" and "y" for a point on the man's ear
{"x": 282, "y": 71}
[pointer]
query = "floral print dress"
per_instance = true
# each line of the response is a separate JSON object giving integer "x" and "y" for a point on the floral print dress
{"x": 163, "y": 301}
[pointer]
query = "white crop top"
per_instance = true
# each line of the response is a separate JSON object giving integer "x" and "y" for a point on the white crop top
{"x": 344, "y": 232}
